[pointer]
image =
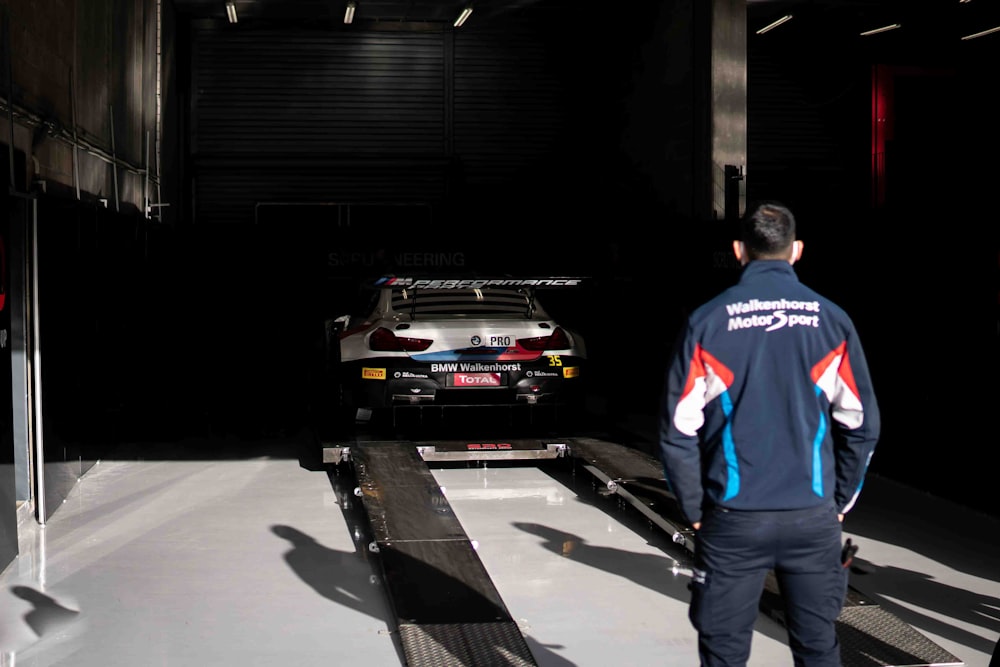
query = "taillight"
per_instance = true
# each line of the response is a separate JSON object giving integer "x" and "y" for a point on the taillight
{"x": 557, "y": 341}
{"x": 383, "y": 340}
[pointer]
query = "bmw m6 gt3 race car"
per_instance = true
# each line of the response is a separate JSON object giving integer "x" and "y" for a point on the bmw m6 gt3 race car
{"x": 438, "y": 342}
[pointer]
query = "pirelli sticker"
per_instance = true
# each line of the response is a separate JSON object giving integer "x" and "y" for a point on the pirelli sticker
{"x": 571, "y": 372}
{"x": 372, "y": 373}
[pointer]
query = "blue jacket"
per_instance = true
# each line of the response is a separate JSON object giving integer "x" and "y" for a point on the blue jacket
{"x": 768, "y": 403}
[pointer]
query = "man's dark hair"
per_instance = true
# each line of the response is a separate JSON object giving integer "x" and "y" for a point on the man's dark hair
{"x": 767, "y": 231}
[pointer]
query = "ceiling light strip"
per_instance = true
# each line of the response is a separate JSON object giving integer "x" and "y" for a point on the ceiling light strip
{"x": 885, "y": 28}
{"x": 231, "y": 11}
{"x": 349, "y": 12}
{"x": 980, "y": 34}
{"x": 772, "y": 26}
{"x": 463, "y": 16}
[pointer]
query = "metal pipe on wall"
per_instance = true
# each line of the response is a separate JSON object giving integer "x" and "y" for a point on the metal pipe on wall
{"x": 76, "y": 141}
{"x": 36, "y": 363}
{"x": 145, "y": 183}
{"x": 70, "y": 137}
{"x": 72, "y": 105}
{"x": 114, "y": 154}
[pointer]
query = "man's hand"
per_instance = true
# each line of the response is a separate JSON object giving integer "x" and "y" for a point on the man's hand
{"x": 696, "y": 525}
{"x": 840, "y": 518}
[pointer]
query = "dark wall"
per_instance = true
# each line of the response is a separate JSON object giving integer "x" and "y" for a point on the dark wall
{"x": 915, "y": 268}
{"x": 103, "y": 356}
{"x": 537, "y": 123}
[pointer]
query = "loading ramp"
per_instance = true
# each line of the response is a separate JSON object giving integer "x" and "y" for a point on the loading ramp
{"x": 449, "y": 613}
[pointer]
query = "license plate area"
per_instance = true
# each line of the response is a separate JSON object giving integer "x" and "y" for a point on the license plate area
{"x": 499, "y": 340}
{"x": 476, "y": 380}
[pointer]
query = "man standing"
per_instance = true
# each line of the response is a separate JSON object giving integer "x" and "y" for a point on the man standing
{"x": 768, "y": 424}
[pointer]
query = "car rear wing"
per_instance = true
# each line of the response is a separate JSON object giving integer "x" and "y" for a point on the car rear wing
{"x": 496, "y": 294}
{"x": 408, "y": 282}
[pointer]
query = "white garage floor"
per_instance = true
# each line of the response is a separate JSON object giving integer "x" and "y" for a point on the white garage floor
{"x": 261, "y": 561}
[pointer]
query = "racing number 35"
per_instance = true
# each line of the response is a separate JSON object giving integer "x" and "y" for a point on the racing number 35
{"x": 554, "y": 360}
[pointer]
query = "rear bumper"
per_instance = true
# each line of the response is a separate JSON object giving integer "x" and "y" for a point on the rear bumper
{"x": 383, "y": 383}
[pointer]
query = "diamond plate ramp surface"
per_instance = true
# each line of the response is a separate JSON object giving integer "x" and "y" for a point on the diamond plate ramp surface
{"x": 447, "y": 610}
{"x": 873, "y": 637}
{"x": 870, "y": 636}
{"x": 465, "y": 645}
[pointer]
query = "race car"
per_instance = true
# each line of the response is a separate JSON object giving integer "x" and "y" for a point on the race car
{"x": 435, "y": 342}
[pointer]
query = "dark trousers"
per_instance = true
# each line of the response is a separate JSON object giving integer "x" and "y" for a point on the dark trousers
{"x": 734, "y": 551}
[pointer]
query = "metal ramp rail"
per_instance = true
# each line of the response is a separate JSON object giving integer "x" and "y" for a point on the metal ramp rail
{"x": 870, "y": 635}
